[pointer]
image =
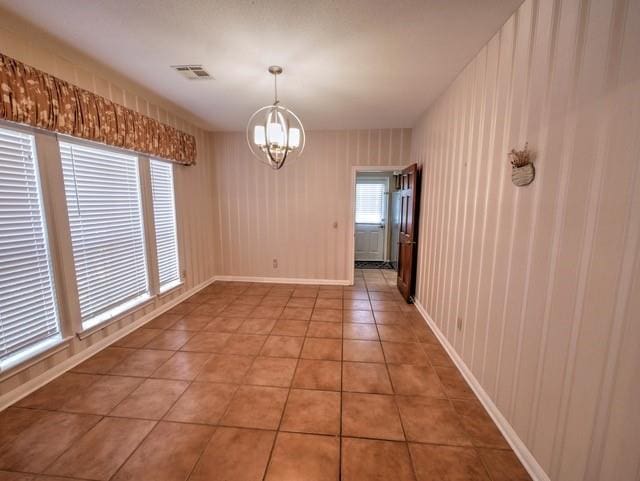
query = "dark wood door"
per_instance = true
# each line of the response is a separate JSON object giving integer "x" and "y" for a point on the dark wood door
{"x": 407, "y": 248}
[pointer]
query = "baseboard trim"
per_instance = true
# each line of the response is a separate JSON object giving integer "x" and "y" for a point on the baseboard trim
{"x": 519, "y": 448}
{"x": 37, "y": 382}
{"x": 286, "y": 280}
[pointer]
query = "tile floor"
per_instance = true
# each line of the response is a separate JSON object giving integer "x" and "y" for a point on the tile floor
{"x": 263, "y": 382}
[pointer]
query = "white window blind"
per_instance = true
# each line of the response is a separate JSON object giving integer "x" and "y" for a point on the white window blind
{"x": 370, "y": 202}
{"x": 164, "y": 215}
{"x": 105, "y": 215}
{"x": 28, "y": 312}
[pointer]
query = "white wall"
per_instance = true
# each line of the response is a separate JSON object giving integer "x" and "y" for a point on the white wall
{"x": 545, "y": 277}
{"x": 289, "y": 214}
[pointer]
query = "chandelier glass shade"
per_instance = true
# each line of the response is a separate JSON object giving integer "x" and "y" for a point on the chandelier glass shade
{"x": 274, "y": 133}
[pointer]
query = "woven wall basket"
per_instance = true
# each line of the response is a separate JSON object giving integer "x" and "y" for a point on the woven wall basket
{"x": 524, "y": 175}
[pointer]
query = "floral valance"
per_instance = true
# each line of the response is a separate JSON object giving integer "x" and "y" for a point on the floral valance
{"x": 32, "y": 97}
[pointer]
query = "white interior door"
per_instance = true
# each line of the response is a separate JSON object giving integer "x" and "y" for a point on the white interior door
{"x": 370, "y": 228}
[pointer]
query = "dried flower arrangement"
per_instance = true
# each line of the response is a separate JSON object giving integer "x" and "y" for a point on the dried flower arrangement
{"x": 522, "y": 170}
{"x": 520, "y": 158}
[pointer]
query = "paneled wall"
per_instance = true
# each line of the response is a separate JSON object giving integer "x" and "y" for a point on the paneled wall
{"x": 194, "y": 186}
{"x": 545, "y": 278}
{"x": 289, "y": 214}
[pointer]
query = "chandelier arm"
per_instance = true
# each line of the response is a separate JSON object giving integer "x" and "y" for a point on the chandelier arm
{"x": 303, "y": 137}
{"x": 285, "y": 125}
{"x": 266, "y": 138}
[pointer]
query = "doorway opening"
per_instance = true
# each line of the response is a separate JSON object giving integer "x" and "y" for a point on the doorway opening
{"x": 385, "y": 204}
{"x": 375, "y": 199}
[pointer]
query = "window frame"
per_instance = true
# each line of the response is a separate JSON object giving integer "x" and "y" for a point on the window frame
{"x": 170, "y": 286}
{"x": 29, "y": 355}
{"x": 86, "y": 328}
{"x": 58, "y": 233}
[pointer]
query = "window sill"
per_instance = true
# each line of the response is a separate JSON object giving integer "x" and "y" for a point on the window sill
{"x": 28, "y": 357}
{"x": 169, "y": 288}
{"x": 114, "y": 315}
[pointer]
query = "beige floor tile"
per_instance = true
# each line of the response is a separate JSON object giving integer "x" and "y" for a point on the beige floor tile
{"x": 103, "y": 396}
{"x": 363, "y": 332}
{"x": 151, "y": 400}
{"x": 304, "y": 456}
{"x": 142, "y": 362}
{"x": 365, "y": 377}
{"x": 362, "y": 351}
{"x": 327, "y": 315}
{"x": 103, "y": 361}
{"x": 415, "y": 380}
{"x": 271, "y": 371}
{"x": 323, "y": 329}
{"x": 437, "y": 463}
{"x": 225, "y": 368}
{"x": 366, "y": 460}
{"x": 317, "y": 348}
{"x": 202, "y": 402}
{"x": 160, "y": 460}
{"x": 170, "y": 340}
{"x": 182, "y": 365}
{"x": 453, "y": 383}
{"x": 244, "y": 344}
{"x": 31, "y": 448}
{"x": 257, "y": 407}
{"x": 235, "y": 454}
{"x": 282, "y": 346}
{"x": 224, "y": 324}
{"x": 405, "y": 353}
{"x": 479, "y": 425}
{"x": 53, "y": 395}
{"x": 311, "y": 411}
{"x": 503, "y": 465}
{"x": 206, "y": 341}
{"x": 100, "y": 452}
{"x": 315, "y": 374}
{"x": 431, "y": 420}
{"x": 371, "y": 416}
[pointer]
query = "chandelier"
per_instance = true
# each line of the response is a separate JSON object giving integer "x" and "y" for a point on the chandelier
{"x": 275, "y": 133}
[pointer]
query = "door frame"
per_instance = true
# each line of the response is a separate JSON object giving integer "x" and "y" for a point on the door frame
{"x": 351, "y": 228}
{"x": 387, "y": 205}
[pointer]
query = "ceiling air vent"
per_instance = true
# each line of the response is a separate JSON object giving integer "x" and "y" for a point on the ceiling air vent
{"x": 192, "y": 72}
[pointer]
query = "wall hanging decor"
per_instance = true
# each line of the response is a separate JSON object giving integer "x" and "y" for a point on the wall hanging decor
{"x": 522, "y": 170}
{"x": 275, "y": 133}
{"x": 32, "y": 97}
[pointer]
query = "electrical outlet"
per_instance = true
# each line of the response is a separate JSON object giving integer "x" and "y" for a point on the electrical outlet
{"x": 275, "y": 263}
{"x": 459, "y": 324}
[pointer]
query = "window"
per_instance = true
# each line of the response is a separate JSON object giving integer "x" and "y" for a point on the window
{"x": 164, "y": 215}
{"x": 370, "y": 202}
{"x": 28, "y": 311}
{"x": 105, "y": 215}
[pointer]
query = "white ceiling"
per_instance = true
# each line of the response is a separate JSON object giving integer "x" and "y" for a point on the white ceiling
{"x": 348, "y": 63}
